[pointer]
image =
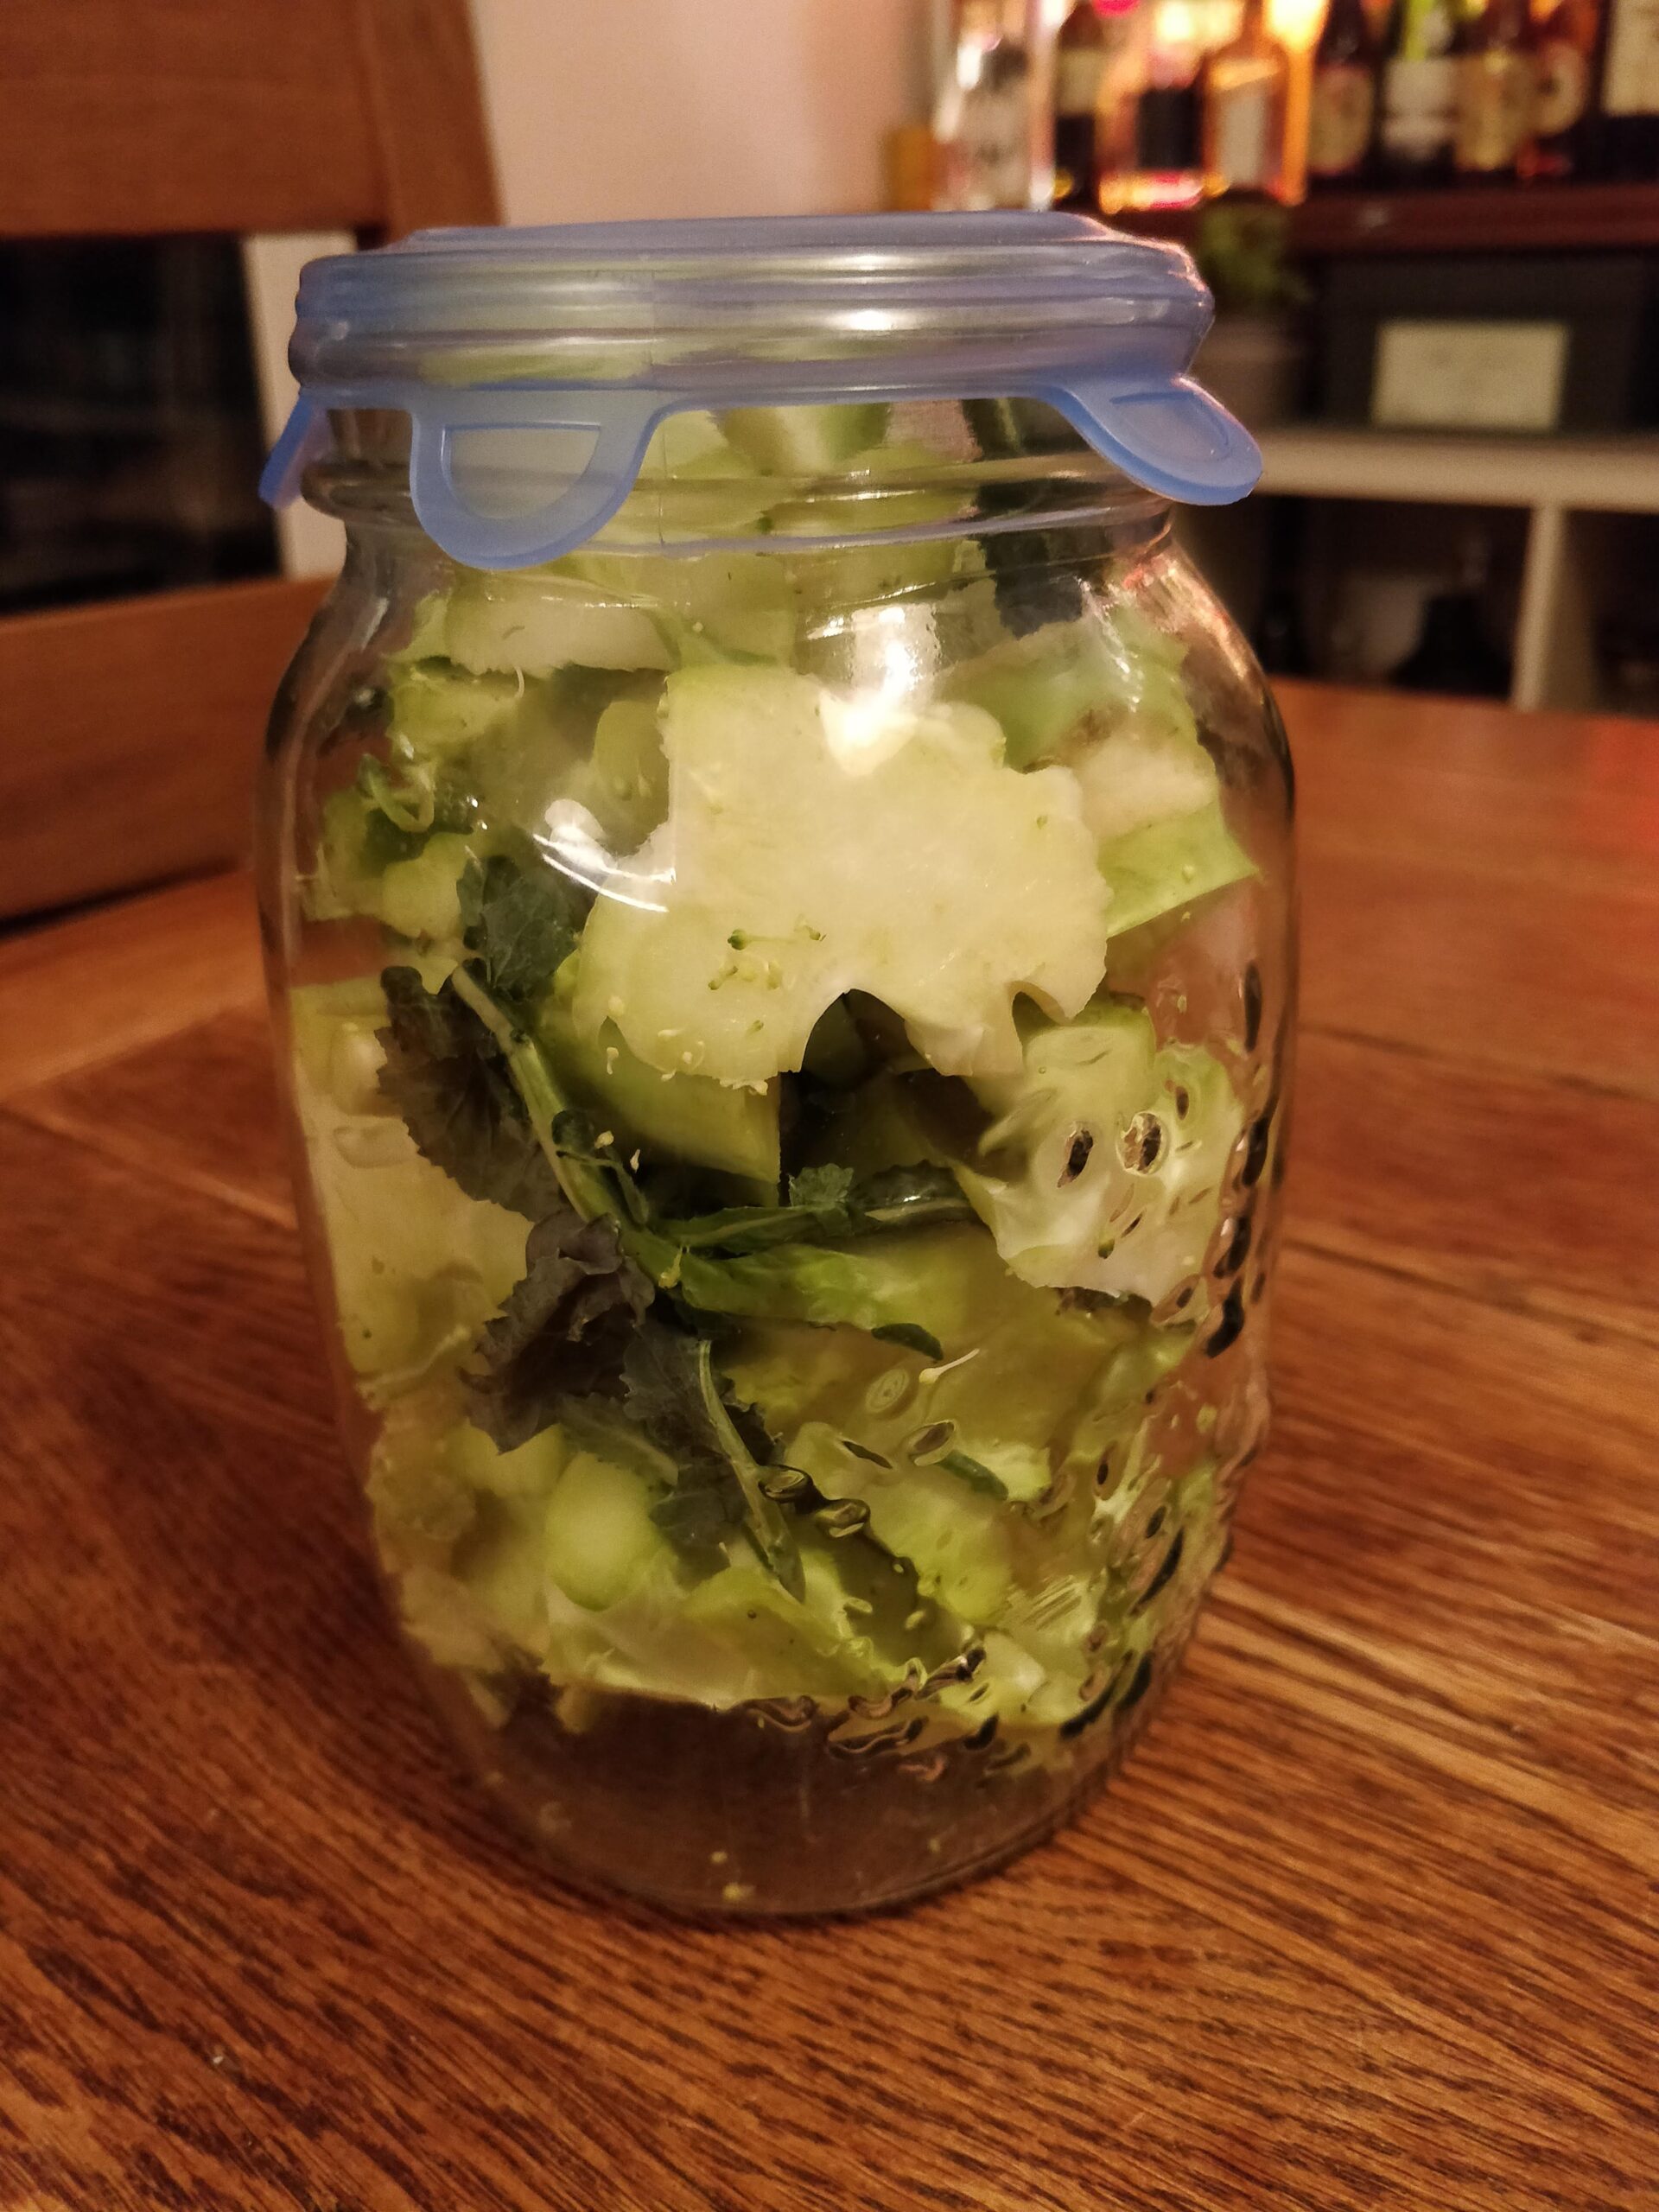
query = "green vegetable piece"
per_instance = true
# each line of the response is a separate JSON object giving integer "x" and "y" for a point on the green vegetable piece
{"x": 804, "y": 441}
{"x": 1028, "y": 1386}
{"x": 563, "y": 1332}
{"x": 1166, "y": 867}
{"x": 1104, "y": 694}
{"x": 1105, "y": 1169}
{"x": 891, "y": 489}
{"x": 624, "y": 784}
{"x": 825, "y": 1190}
{"x": 448, "y": 1078}
{"x": 417, "y": 1264}
{"x": 440, "y": 711}
{"x": 974, "y": 1473}
{"x": 600, "y": 1539}
{"x": 528, "y": 1471}
{"x": 912, "y": 1339}
{"x": 421, "y": 898}
{"x": 533, "y": 622}
{"x": 950, "y": 1533}
{"x": 421, "y": 1507}
{"x": 732, "y": 1129}
{"x": 790, "y": 1643}
{"x": 1065, "y": 680}
{"x": 521, "y": 922}
{"x": 826, "y": 1203}
{"x": 676, "y": 1398}
{"x": 707, "y": 607}
{"x": 816, "y": 844}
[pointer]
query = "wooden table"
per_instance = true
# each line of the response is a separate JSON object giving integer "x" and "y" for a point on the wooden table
{"x": 1368, "y": 1922}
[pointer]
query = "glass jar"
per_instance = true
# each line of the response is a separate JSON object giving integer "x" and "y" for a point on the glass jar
{"x": 787, "y": 1000}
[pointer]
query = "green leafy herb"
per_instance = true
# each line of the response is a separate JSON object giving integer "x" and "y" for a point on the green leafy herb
{"x": 563, "y": 1332}
{"x": 719, "y": 1448}
{"x": 519, "y": 923}
{"x": 826, "y": 1203}
{"x": 822, "y": 1190}
{"x": 448, "y": 1078}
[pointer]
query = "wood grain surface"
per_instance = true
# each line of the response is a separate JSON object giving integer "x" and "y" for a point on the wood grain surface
{"x": 1368, "y": 1920}
{"x": 133, "y": 116}
{"x": 132, "y": 732}
{"x": 128, "y": 729}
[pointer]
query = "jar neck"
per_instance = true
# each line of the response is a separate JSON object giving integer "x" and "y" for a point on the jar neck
{"x": 848, "y": 476}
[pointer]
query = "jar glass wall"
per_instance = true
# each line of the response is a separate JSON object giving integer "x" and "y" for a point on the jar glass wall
{"x": 787, "y": 1010}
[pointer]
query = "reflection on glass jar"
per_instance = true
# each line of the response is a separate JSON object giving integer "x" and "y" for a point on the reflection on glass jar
{"x": 788, "y": 1009}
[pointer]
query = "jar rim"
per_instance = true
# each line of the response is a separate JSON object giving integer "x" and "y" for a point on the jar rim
{"x": 605, "y": 330}
{"x": 782, "y": 289}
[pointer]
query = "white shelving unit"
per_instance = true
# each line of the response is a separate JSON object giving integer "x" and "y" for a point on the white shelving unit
{"x": 1566, "y": 486}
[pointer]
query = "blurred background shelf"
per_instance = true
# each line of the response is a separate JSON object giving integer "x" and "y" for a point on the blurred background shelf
{"x": 1571, "y": 549}
{"x": 1564, "y": 532}
{"x": 1608, "y": 475}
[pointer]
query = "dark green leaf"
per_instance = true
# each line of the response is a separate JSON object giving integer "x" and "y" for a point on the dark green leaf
{"x": 718, "y": 1448}
{"x": 385, "y": 843}
{"x": 448, "y": 1078}
{"x": 827, "y": 1203}
{"x": 912, "y": 1338}
{"x": 697, "y": 1520}
{"x": 520, "y": 922}
{"x": 563, "y": 1332}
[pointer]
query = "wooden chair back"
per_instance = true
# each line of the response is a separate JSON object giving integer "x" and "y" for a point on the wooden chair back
{"x": 128, "y": 729}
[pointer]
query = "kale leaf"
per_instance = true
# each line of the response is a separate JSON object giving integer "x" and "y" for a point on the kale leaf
{"x": 519, "y": 923}
{"x": 448, "y": 1078}
{"x": 717, "y": 1446}
{"x": 565, "y": 1332}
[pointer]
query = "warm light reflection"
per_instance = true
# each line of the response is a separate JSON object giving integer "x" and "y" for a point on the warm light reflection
{"x": 1296, "y": 22}
{"x": 573, "y": 842}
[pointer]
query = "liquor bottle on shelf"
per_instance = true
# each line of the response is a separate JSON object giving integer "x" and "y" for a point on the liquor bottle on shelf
{"x": 993, "y": 132}
{"x": 1342, "y": 106}
{"x": 1419, "y": 95}
{"x": 1567, "y": 38}
{"x": 1245, "y": 86}
{"x": 1496, "y": 89}
{"x": 1626, "y": 131}
{"x": 1123, "y": 78}
{"x": 1080, "y": 54}
{"x": 1168, "y": 162}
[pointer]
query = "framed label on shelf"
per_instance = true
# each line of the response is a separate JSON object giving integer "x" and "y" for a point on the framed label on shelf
{"x": 1441, "y": 375}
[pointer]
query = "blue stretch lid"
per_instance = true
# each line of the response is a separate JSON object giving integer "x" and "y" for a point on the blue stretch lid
{"x": 597, "y": 332}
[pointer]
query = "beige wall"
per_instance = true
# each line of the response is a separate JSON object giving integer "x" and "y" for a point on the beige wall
{"x": 606, "y": 109}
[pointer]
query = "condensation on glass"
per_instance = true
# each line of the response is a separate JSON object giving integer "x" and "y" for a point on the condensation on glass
{"x": 787, "y": 1007}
